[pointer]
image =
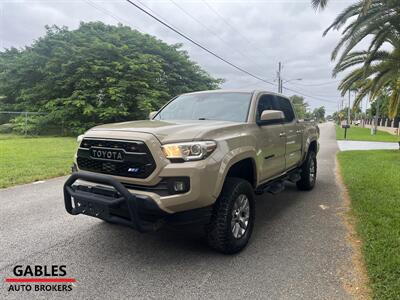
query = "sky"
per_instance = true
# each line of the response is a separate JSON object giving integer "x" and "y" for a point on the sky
{"x": 255, "y": 35}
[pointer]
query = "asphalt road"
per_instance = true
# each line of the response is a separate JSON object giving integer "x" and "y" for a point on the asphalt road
{"x": 298, "y": 249}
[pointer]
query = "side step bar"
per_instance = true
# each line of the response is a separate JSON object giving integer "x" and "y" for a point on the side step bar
{"x": 278, "y": 185}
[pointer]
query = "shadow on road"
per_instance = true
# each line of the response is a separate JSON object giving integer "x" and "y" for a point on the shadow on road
{"x": 189, "y": 239}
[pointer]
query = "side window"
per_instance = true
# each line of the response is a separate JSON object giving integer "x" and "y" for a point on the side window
{"x": 266, "y": 102}
{"x": 287, "y": 109}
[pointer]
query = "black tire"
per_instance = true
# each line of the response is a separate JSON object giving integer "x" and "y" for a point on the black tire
{"x": 220, "y": 235}
{"x": 308, "y": 168}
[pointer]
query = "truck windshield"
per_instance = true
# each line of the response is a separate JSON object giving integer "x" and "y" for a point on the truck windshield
{"x": 208, "y": 106}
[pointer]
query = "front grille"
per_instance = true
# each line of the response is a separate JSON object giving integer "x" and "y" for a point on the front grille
{"x": 138, "y": 161}
{"x": 131, "y": 146}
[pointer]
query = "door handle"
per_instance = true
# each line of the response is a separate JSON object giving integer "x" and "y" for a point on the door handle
{"x": 282, "y": 134}
{"x": 299, "y": 131}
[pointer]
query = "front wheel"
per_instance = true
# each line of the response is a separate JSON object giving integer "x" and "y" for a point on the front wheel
{"x": 232, "y": 221}
{"x": 308, "y": 173}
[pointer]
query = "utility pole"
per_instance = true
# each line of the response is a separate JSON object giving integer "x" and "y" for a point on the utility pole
{"x": 279, "y": 77}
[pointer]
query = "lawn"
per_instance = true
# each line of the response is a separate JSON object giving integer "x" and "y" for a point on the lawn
{"x": 364, "y": 134}
{"x": 24, "y": 160}
{"x": 373, "y": 181}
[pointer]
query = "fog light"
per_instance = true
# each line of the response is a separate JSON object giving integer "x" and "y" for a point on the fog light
{"x": 179, "y": 186}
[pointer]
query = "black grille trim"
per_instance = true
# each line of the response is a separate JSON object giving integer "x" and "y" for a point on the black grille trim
{"x": 139, "y": 146}
{"x": 137, "y": 155}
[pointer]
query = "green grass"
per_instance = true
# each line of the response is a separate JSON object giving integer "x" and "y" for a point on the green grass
{"x": 24, "y": 160}
{"x": 7, "y": 136}
{"x": 364, "y": 134}
{"x": 373, "y": 181}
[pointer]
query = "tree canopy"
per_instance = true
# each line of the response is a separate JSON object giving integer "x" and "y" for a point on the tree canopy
{"x": 300, "y": 106}
{"x": 319, "y": 113}
{"x": 96, "y": 74}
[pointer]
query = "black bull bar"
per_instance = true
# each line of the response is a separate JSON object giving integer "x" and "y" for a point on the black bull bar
{"x": 97, "y": 201}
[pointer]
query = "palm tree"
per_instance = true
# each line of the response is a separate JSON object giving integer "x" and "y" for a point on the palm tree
{"x": 380, "y": 73}
{"x": 376, "y": 69}
{"x": 381, "y": 21}
{"x": 321, "y": 4}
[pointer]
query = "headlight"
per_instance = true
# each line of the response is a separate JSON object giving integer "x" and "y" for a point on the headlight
{"x": 79, "y": 138}
{"x": 189, "y": 151}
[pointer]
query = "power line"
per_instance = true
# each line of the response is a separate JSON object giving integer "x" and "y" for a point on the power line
{"x": 197, "y": 21}
{"x": 223, "y": 19}
{"x": 215, "y": 54}
{"x": 310, "y": 96}
{"x": 250, "y": 85}
{"x": 107, "y": 12}
{"x": 314, "y": 95}
{"x": 156, "y": 14}
{"x": 318, "y": 84}
{"x": 198, "y": 44}
{"x": 234, "y": 28}
{"x": 206, "y": 27}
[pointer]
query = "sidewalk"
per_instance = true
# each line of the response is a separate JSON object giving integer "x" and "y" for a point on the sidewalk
{"x": 363, "y": 145}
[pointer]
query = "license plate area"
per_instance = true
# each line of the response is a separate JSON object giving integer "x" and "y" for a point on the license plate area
{"x": 91, "y": 208}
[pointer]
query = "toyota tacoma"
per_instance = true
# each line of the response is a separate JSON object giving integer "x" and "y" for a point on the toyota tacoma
{"x": 200, "y": 159}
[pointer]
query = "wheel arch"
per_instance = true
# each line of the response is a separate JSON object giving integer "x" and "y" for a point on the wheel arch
{"x": 311, "y": 144}
{"x": 242, "y": 165}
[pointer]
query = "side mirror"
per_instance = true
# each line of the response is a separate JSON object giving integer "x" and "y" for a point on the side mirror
{"x": 152, "y": 114}
{"x": 272, "y": 115}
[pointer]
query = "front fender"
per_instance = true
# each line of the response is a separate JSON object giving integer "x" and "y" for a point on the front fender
{"x": 307, "y": 146}
{"x": 229, "y": 159}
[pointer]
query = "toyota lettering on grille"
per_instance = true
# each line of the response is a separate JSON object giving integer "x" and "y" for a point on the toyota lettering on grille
{"x": 107, "y": 154}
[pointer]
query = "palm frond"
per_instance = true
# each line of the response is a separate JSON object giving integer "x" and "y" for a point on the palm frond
{"x": 374, "y": 71}
{"x": 394, "y": 103}
{"x": 363, "y": 91}
{"x": 341, "y": 19}
{"x": 319, "y": 4}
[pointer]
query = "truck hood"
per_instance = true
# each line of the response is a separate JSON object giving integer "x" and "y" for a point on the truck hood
{"x": 168, "y": 131}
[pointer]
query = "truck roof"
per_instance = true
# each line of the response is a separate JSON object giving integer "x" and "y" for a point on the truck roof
{"x": 252, "y": 91}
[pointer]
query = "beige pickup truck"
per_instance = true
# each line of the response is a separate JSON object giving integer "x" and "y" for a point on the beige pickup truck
{"x": 199, "y": 159}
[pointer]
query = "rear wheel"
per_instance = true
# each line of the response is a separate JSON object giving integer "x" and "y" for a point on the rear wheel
{"x": 232, "y": 221}
{"x": 308, "y": 172}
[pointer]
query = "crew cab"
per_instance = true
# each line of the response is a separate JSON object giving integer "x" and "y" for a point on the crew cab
{"x": 200, "y": 158}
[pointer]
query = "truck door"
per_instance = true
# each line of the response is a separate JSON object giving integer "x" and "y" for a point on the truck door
{"x": 294, "y": 133}
{"x": 271, "y": 141}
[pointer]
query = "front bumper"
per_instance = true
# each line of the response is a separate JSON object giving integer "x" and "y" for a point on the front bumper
{"x": 113, "y": 202}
